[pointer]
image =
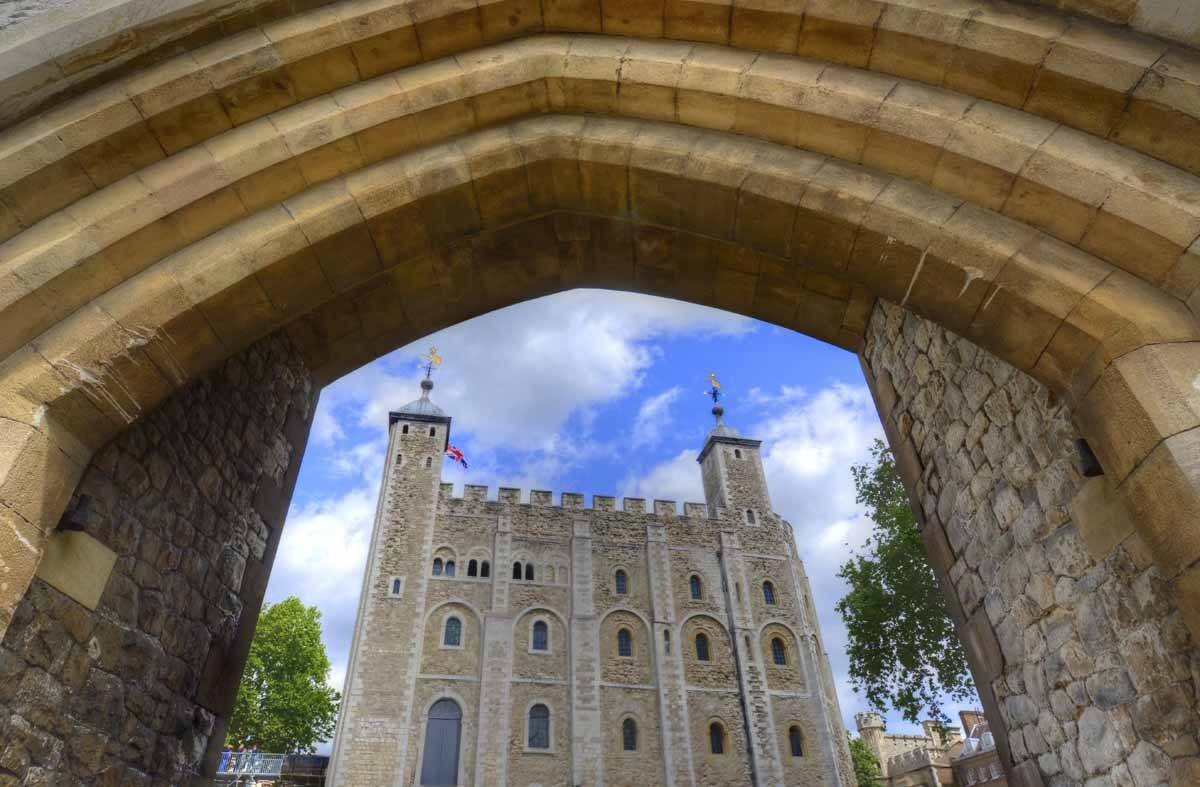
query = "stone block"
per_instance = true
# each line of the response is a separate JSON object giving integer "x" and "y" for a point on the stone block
{"x": 1101, "y": 517}
{"x": 1162, "y": 495}
{"x": 76, "y": 564}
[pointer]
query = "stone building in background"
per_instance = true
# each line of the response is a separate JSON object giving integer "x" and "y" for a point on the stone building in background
{"x": 502, "y": 642}
{"x": 941, "y": 757}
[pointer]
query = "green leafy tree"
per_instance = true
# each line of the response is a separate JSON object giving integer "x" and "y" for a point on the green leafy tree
{"x": 903, "y": 650}
{"x": 866, "y": 765}
{"x": 283, "y": 703}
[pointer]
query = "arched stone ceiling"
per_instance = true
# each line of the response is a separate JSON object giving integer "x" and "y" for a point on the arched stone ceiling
{"x": 363, "y": 172}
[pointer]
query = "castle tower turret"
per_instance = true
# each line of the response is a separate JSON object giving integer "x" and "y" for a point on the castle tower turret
{"x": 380, "y": 678}
{"x": 732, "y": 471}
{"x": 870, "y": 729}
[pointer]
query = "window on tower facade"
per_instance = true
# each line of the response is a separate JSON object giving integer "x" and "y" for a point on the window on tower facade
{"x": 473, "y": 569}
{"x": 485, "y": 569}
{"x": 541, "y": 635}
{"x": 768, "y": 593}
{"x": 622, "y": 582}
{"x": 796, "y": 741}
{"x": 437, "y": 566}
{"x": 433, "y": 431}
{"x": 778, "y": 651}
{"x": 528, "y": 572}
{"x": 696, "y": 586}
{"x": 539, "y": 727}
{"x": 404, "y": 429}
{"x": 624, "y": 643}
{"x": 749, "y": 517}
{"x": 452, "y": 638}
{"x": 449, "y": 568}
{"x": 716, "y": 738}
{"x": 702, "y": 647}
{"x": 428, "y": 462}
{"x": 629, "y": 735}
{"x": 516, "y": 570}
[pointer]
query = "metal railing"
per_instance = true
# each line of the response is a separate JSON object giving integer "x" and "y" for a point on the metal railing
{"x": 248, "y": 767}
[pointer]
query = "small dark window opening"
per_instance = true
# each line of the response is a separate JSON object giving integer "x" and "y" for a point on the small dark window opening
{"x": 432, "y": 431}
{"x": 749, "y": 517}
{"x": 473, "y": 569}
{"x": 516, "y": 570}
{"x": 778, "y": 651}
{"x": 624, "y": 643}
{"x": 453, "y": 636}
{"x": 404, "y": 429}
{"x": 697, "y": 587}
{"x": 769, "y": 593}
{"x": 485, "y": 570}
{"x": 449, "y": 568}
{"x": 396, "y": 586}
{"x": 667, "y": 641}
{"x": 629, "y": 735}
{"x": 429, "y": 461}
{"x": 737, "y": 453}
{"x": 539, "y": 727}
{"x": 749, "y": 650}
{"x": 622, "y": 582}
{"x": 437, "y": 566}
{"x": 701, "y": 647}
{"x": 528, "y": 572}
{"x": 716, "y": 738}
{"x": 796, "y": 741}
{"x": 541, "y": 636}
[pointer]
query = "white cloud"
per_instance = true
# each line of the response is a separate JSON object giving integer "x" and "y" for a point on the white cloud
{"x": 653, "y": 417}
{"x": 677, "y": 479}
{"x": 515, "y": 376}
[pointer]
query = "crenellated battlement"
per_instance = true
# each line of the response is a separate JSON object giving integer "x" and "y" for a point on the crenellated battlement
{"x": 509, "y": 496}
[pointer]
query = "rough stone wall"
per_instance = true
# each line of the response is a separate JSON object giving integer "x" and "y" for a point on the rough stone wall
{"x": 191, "y": 498}
{"x": 1080, "y": 656}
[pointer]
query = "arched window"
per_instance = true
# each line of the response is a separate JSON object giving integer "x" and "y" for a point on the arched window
{"x": 541, "y": 635}
{"x": 749, "y": 517}
{"x": 778, "y": 651}
{"x": 702, "y": 647}
{"x": 442, "y": 732}
{"x": 517, "y": 570}
{"x": 796, "y": 741}
{"x": 528, "y": 572}
{"x": 485, "y": 569}
{"x": 404, "y": 429}
{"x": 622, "y": 582}
{"x": 716, "y": 738}
{"x": 737, "y": 453}
{"x": 624, "y": 643}
{"x": 769, "y": 593}
{"x": 433, "y": 431}
{"x": 452, "y": 638}
{"x": 397, "y": 585}
{"x": 428, "y": 462}
{"x": 697, "y": 586}
{"x": 437, "y": 566}
{"x": 667, "y": 641}
{"x": 449, "y": 568}
{"x": 473, "y": 569}
{"x": 629, "y": 735}
{"x": 539, "y": 727}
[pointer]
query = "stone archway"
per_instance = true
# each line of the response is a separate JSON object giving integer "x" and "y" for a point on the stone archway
{"x": 233, "y": 208}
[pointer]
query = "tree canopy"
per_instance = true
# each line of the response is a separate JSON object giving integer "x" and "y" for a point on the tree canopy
{"x": 866, "y": 765}
{"x": 903, "y": 650}
{"x": 283, "y": 703}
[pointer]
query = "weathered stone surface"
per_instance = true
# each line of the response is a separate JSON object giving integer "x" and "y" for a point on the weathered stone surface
{"x": 85, "y": 679}
{"x": 1078, "y": 638}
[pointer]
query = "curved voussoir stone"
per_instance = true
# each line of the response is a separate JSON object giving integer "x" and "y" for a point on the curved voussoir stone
{"x": 1127, "y": 209}
{"x": 1105, "y": 81}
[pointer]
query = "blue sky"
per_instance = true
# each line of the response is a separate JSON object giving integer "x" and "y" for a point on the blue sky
{"x": 596, "y": 392}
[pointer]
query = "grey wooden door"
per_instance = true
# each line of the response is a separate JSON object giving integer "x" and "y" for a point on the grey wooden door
{"x": 442, "y": 733}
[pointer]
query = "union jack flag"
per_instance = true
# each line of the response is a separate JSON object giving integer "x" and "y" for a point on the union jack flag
{"x": 456, "y": 455}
